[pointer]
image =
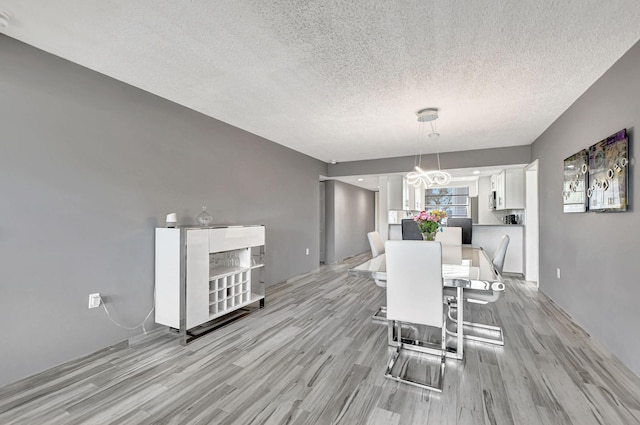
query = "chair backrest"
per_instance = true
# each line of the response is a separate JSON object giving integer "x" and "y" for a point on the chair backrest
{"x": 414, "y": 282}
{"x": 450, "y": 236}
{"x": 501, "y": 252}
{"x": 410, "y": 230}
{"x": 451, "y": 254}
{"x": 376, "y": 244}
{"x": 467, "y": 227}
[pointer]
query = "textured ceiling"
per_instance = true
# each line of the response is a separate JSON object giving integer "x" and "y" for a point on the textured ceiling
{"x": 342, "y": 79}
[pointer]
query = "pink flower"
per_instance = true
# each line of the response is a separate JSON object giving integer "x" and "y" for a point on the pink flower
{"x": 429, "y": 221}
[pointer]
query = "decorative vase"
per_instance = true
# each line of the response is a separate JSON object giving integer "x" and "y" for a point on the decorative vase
{"x": 429, "y": 236}
{"x": 204, "y": 218}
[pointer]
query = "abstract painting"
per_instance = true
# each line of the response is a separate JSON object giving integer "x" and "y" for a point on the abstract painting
{"x": 574, "y": 192}
{"x": 608, "y": 173}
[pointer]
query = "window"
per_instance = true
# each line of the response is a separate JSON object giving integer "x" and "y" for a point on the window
{"x": 453, "y": 200}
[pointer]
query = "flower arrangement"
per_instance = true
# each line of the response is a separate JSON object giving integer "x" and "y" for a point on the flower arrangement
{"x": 429, "y": 222}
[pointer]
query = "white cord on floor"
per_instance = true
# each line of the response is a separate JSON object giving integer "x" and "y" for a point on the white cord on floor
{"x": 127, "y": 327}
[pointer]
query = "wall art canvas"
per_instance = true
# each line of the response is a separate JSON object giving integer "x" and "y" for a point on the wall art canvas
{"x": 574, "y": 191}
{"x": 608, "y": 173}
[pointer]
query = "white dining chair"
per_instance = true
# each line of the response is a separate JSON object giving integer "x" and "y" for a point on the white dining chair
{"x": 452, "y": 254}
{"x": 450, "y": 236}
{"x": 376, "y": 243}
{"x": 492, "y": 334}
{"x": 377, "y": 248}
{"x": 484, "y": 297}
{"x": 467, "y": 228}
{"x": 500, "y": 253}
{"x": 414, "y": 297}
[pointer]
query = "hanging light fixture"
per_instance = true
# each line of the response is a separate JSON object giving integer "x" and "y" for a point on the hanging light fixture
{"x": 419, "y": 176}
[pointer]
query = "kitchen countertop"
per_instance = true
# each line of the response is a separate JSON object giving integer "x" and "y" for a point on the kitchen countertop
{"x": 500, "y": 225}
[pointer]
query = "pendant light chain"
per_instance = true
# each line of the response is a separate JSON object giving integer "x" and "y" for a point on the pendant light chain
{"x": 419, "y": 176}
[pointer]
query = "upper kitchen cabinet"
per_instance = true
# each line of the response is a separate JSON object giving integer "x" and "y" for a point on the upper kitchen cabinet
{"x": 403, "y": 196}
{"x": 408, "y": 196}
{"x": 419, "y": 198}
{"x": 509, "y": 188}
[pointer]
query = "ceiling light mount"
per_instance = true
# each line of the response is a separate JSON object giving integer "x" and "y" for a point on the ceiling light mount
{"x": 427, "y": 114}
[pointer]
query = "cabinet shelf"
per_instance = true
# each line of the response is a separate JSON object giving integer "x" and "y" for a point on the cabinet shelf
{"x": 219, "y": 272}
{"x": 250, "y": 299}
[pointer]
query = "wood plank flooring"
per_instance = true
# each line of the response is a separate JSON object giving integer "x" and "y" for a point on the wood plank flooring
{"x": 313, "y": 356}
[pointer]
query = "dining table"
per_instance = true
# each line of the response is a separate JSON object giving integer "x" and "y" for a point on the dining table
{"x": 464, "y": 267}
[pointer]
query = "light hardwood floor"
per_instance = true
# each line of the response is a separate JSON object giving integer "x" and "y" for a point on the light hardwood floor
{"x": 313, "y": 356}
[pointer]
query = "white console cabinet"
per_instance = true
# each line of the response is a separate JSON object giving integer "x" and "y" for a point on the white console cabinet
{"x": 206, "y": 273}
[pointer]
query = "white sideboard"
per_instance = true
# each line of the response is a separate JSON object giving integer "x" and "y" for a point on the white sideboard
{"x": 205, "y": 273}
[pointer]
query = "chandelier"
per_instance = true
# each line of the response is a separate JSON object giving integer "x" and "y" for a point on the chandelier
{"x": 420, "y": 177}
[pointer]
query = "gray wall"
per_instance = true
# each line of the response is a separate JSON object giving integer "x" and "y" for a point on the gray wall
{"x": 88, "y": 167}
{"x": 350, "y": 213}
{"x": 449, "y": 160}
{"x": 597, "y": 253}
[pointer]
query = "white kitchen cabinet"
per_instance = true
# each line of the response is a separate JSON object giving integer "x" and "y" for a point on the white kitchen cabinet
{"x": 408, "y": 195}
{"x": 419, "y": 198}
{"x": 202, "y": 274}
{"x": 494, "y": 183}
{"x": 509, "y": 188}
{"x": 402, "y": 196}
{"x": 499, "y": 185}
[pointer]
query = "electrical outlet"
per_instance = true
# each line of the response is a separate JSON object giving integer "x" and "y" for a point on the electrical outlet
{"x": 94, "y": 300}
{"x": 558, "y": 272}
{"x": 307, "y": 252}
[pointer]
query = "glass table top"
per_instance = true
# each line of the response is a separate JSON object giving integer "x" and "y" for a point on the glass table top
{"x": 463, "y": 266}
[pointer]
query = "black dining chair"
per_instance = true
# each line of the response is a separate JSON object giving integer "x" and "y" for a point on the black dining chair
{"x": 410, "y": 230}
